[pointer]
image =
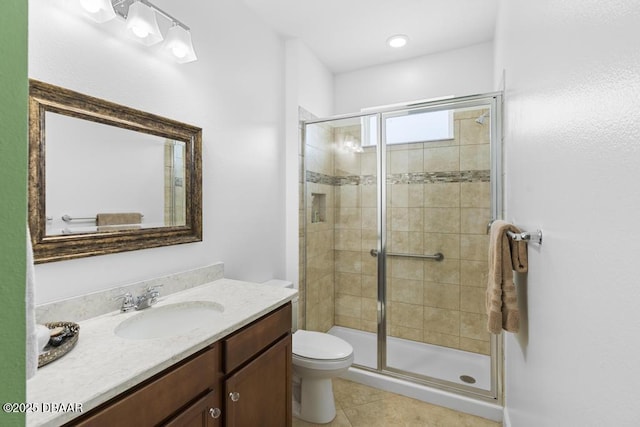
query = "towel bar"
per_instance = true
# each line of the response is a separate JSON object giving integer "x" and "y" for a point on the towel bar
{"x": 69, "y": 218}
{"x": 528, "y": 236}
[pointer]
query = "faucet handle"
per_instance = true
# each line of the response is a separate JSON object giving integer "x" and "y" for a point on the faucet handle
{"x": 127, "y": 302}
{"x": 153, "y": 290}
{"x": 126, "y": 296}
{"x": 152, "y": 294}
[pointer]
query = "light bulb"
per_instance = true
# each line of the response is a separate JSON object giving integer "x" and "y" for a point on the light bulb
{"x": 142, "y": 25}
{"x": 140, "y": 31}
{"x": 179, "y": 51}
{"x": 98, "y": 10}
{"x": 91, "y": 6}
{"x": 398, "y": 40}
{"x": 178, "y": 44}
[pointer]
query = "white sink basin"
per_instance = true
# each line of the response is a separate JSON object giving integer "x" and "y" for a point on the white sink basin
{"x": 170, "y": 320}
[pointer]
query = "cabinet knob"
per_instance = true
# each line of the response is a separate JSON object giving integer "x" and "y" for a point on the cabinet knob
{"x": 235, "y": 396}
{"x": 215, "y": 412}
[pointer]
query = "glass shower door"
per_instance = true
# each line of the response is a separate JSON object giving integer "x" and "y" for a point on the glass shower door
{"x": 437, "y": 161}
{"x": 396, "y": 206}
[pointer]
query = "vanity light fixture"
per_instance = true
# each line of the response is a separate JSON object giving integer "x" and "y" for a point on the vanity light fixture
{"x": 178, "y": 44}
{"x": 399, "y": 40}
{"x": 141, "y": 23}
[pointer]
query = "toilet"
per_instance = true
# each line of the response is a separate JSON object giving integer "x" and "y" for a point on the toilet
{"x": 317, "y": 358}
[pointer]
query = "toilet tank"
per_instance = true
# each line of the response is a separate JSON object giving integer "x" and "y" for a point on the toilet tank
{"x": 294, "y": 303}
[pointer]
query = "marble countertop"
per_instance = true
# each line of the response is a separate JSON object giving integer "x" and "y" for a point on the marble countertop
{"x": 103, "y": 365}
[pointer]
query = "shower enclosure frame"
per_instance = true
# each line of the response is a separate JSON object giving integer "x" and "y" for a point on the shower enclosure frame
{"x": 493, "y": 101}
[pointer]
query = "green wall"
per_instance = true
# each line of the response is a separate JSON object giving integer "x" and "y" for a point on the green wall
{"x": 13, "y": 205}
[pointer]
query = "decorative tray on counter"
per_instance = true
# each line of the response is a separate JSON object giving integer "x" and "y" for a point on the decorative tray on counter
{"x": 68, "y": 339}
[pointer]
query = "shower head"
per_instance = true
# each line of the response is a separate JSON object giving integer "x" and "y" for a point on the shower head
{"x": 480, "y": 120}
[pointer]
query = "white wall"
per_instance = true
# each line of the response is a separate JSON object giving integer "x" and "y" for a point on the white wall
{"x": 309, "y": 84}
{"x": 234, "y": 92}
{"x": 309, "y": 79}
{"x": 573, "y": 155}
{"x": 465, "y": 71}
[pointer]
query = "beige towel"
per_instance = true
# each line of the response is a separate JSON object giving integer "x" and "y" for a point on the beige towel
{"x": 118, "y": 221}
{"x": 505, "y": 255}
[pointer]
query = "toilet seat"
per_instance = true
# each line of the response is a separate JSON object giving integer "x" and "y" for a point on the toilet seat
{"x": 320, "y": 346}
{"x": 326, "y": 365}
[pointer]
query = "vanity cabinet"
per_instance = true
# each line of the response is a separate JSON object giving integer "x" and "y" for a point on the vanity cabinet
{"x": 258, "y": 389}
{"x": 172, "y": 393}
{"x": 243, "y": 380}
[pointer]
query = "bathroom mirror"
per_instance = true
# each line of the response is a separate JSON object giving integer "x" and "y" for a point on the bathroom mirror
{"x": 106, "y": 178}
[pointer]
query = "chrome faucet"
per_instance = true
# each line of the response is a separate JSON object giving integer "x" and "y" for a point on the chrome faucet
{"x": 146, "y": 300}
{"x": 127, "y": 302}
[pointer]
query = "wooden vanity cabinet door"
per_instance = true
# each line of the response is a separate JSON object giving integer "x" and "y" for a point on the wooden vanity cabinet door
{"x": 259, "y": 394}
{"x": 205, "y": 412}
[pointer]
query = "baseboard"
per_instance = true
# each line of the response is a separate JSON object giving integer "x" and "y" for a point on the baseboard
{"x": 506, "y": 421}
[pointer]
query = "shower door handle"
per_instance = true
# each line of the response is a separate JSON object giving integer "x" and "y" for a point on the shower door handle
{"x": 436, "y": 257}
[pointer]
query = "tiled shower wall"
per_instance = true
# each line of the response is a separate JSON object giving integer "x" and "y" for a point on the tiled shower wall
{"x": 437, "y": 201}
{"x": 174, "y": 191}
{"x": 317, "y": 275}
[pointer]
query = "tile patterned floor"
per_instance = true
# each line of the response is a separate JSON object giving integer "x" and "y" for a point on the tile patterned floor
{"x": 359, "y": 405}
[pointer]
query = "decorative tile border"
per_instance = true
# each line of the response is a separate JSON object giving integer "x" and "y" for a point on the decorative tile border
{"x": 439, "y": 177}
{"x": 320, "y": 178}
{"x": 356, "y": 180}
{"x": 401, "y": 178}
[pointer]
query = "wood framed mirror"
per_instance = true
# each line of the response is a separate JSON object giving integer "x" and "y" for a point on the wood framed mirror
{"x": 106, "y": 178}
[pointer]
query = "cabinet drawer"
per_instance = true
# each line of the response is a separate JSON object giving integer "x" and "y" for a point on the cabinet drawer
{"x": 251, "y": 340}
{"x": 162, "y": 396}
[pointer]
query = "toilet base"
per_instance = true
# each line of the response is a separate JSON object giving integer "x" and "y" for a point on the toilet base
{"x": 316, "y": 400}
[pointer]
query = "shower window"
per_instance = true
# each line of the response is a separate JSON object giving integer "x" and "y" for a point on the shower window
{"x": 410, "y": 126}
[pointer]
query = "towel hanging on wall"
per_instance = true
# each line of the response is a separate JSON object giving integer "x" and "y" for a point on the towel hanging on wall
{"x": 505, "y": 256}
{"x": 118, "y": 221}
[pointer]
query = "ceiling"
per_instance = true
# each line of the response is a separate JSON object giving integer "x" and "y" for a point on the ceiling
{"x": 351, "y": 34}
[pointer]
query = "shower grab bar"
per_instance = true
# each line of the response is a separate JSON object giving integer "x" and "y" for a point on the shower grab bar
{"x": 436, "y": 257}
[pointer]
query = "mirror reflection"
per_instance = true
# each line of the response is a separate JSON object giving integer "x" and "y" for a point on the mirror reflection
{"x": 118, "y": 179}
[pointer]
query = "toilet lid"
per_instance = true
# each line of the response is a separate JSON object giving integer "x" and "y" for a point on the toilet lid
{"x": 318, "y": 345}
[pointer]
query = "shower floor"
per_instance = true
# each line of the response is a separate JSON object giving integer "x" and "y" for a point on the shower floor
{"x": 419, "y": 358}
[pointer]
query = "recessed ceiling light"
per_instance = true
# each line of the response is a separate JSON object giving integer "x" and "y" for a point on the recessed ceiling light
{"x": 399, "y": 40}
